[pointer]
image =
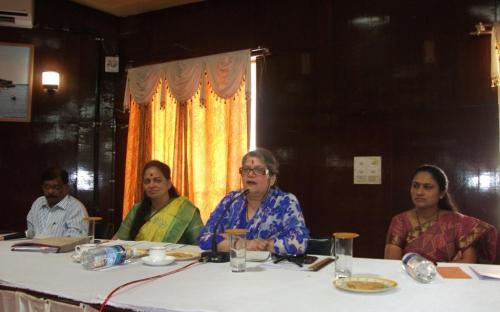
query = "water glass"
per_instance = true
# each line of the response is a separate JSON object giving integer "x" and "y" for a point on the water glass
{"x": 237, "y": 249}
{"x": 343, "y": 251}
{"x": 92, "y": 221}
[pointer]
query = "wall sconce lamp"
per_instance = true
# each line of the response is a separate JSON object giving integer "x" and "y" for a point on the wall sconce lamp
{"x": 482, "y": 29}
{"x": 50, "y": 81}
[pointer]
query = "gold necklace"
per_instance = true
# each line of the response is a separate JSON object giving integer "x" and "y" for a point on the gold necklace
{"x": 428, "y": 220}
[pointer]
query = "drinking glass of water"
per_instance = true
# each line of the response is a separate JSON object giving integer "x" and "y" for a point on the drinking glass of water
{"x": 343, "y": 251}
{"x": 237, "y": 249}
{"x": 92, "y": 221}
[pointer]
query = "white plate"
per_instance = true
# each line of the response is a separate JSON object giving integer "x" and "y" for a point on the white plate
{"x": 75, "y": 257}
{"x": 257, "y": 256}
{"x": 167, "y": 260}
{"x": 365, "y": 284}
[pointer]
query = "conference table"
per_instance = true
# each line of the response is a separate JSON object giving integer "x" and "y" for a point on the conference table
{"x": 263, "y": 287}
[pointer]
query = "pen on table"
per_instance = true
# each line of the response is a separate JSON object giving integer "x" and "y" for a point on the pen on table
{"x": 321, "y": 264}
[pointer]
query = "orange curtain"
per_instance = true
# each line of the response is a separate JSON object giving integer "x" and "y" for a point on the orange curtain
{"x": 138, "y": 153}
{"x": 202, "y": 140}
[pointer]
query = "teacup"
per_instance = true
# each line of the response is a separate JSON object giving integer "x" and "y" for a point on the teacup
{"x": 157, "y": 253}
{"x": 79, "y": 249}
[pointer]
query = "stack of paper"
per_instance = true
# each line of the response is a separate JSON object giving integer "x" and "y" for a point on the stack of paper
{"x": 489, "y": 271}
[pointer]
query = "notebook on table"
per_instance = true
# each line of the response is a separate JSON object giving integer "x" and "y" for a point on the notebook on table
{"x": 50, "y": 244}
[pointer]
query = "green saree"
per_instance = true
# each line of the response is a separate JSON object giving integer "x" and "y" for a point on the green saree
{"x": 178, "y": 222}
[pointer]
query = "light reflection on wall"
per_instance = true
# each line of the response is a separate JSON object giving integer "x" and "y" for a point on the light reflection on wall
{"x": 85, "y": 180}
{"x": 370, "y": 21}
{"x": 485, "y": 181}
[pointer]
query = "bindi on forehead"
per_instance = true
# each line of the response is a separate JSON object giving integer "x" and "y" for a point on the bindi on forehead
{"x": 253, "y": 162}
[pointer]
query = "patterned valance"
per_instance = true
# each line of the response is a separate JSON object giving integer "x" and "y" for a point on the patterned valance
{"x": 224, "y": 72}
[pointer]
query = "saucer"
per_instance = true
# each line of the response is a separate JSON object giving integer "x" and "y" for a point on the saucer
{"x": 167, "y": 260}
{"x": 76, "y": 257}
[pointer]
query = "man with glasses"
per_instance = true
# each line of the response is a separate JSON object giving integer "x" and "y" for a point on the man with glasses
{"x": 56, "y": 213}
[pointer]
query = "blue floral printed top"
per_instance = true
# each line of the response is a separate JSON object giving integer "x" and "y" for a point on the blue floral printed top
{"x": 279, "y": 217}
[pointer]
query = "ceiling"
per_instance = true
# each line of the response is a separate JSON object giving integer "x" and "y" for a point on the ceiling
{"x": 124, "y": 8}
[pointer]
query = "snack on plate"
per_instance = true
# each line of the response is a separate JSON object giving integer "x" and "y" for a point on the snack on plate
{"x": 365, "y": 285}
{"x": 180, "y": 254}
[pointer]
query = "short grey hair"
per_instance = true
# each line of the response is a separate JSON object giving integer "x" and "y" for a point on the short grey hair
{"x": 266, "y": 157}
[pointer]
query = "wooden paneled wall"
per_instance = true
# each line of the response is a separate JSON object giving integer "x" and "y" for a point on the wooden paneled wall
{"x": 345, "y": 78}
{"x": 72, "y": 128}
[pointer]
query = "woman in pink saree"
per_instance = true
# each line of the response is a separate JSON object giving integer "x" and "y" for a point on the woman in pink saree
{"x": 435, "y": 229}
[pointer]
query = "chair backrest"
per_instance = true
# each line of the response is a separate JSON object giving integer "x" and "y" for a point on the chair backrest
{"x": 319, "y": 246}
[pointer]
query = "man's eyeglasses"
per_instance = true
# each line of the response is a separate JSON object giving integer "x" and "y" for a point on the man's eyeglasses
{"x": 256, "y": 171}
{"x": 55, "y": 187}
{"x": 299, "y": 260}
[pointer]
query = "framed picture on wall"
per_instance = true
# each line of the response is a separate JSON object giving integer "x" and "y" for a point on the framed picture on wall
{"x": 16, "y": 81}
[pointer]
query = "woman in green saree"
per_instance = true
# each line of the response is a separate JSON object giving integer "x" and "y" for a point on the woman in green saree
{"x": 162, "y": 215}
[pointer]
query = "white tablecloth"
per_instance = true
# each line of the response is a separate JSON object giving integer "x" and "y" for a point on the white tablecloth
{"x": 213, "y": 287}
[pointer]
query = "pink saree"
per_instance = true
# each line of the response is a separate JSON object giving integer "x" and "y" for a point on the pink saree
{"x": 439, "y": 241}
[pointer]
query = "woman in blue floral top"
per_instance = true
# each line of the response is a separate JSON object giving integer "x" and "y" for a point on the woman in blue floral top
{"x": 273, "y": 218}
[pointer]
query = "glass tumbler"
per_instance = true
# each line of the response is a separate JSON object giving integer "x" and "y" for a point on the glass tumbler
{"x": 237, "y": 249}
{"x": 343, "y": 251}
{"x": 92, "y": 221}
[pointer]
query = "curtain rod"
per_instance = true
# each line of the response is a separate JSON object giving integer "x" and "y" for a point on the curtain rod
{"x": 257, "y": 52}
{"x": 260, "y": 51}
